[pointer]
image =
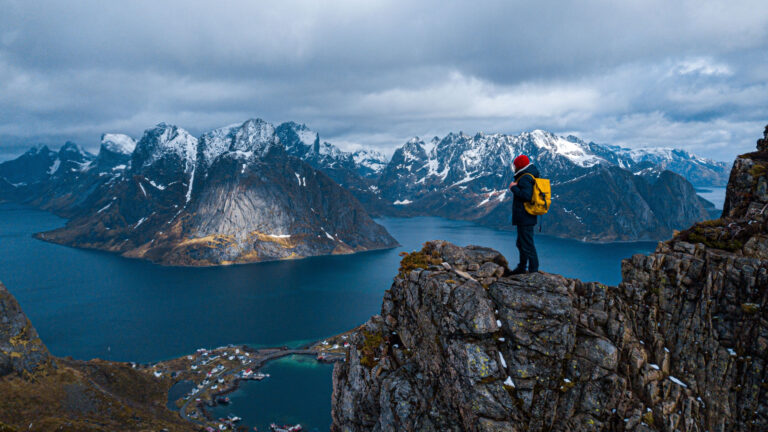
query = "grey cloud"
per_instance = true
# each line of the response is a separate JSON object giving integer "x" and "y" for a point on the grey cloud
{"x": 636, "y": 73}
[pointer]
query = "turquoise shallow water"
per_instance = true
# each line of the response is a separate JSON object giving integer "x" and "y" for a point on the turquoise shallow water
{"x": 297, "y": 391}
{"x": 89, "y": 304}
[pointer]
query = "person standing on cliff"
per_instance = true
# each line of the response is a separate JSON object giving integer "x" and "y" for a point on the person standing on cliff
{"x": 522, "y": 189}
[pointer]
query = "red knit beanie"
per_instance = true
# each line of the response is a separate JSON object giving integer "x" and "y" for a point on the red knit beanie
{"x": 521, "y": 162}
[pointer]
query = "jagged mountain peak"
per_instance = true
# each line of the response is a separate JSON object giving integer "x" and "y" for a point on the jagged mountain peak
{"x": 255, "y": 135}
{"x": 369, "y": 162}
{"x": 38, "y": 149}
{"x": 215, "y": 142}
{"x": 298, "y": 127}
{"x": 574, "y": 151}
{"x": 73, "y": 152}
{"x": 414, "y": 144}
{"x": 298, "y": 139}
{"x": 162, "y": 142}
{"x": 252, "y": 138}
{"x": 364, "y": 155}
{"x": 411, "y": 151}
{"x": 114, "y": 153}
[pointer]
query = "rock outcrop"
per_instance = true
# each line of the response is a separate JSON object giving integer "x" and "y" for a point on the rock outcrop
{"x": 21, "y": 350}
{"x": 680, "y": 345}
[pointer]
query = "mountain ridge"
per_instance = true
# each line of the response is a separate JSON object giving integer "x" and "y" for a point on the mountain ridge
{"x": 230, "y": 197}
{"x": 458, "y": 176}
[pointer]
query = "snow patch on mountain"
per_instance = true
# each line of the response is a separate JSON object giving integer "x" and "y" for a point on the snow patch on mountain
{"x": 55, "y": 166}
{"x": 307, "y": 137}
{"x": 216, "y": 142}
{"x": 575, "y": 152}
{"x": 118, "y": 143}
{"x": 370, "y": 159}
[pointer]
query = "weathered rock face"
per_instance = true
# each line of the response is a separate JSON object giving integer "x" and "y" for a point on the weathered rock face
{"x": 680, "y": 344}
{"x": 21, "y": 350}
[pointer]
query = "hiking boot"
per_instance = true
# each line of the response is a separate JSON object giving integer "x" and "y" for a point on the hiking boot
{"x": 518, "y": 271}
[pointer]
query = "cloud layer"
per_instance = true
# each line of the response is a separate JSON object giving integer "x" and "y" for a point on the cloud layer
{"x": 374, "y": 73}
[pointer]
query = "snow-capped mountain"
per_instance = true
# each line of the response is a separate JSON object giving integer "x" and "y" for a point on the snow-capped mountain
{"x": 698, "y": 170}
{"x": 305, "y": 144}
{"x": 114, "y": 153}
{"x": 480, "y": 163}
{"x": 168, "y": 147}
{"x": 370, "y": 163}
{"x": 234, "y": 195}
{"x": 36, "y": 165}
{"x": 466, "y": 177}
{"x": 357, "y": 172}
{"x": 458, "y": 176}
{"x": 51, "y": 180}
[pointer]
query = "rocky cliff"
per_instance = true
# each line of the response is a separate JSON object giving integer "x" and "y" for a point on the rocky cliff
{"x": 680, "y": 345}
{"x": 21, "y": 350}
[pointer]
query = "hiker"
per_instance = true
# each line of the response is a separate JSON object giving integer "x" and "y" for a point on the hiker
{"x": 522, "y": 188}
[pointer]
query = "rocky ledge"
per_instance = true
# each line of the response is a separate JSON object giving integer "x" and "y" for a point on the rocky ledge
{"x": 680, "y": 345}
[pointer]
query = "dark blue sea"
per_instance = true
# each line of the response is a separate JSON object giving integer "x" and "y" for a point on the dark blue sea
{"x": 89, "y": 304}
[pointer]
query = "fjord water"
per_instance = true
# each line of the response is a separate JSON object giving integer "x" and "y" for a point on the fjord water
{"x": 89, "y": 304}
{"x": 715, "y": 195}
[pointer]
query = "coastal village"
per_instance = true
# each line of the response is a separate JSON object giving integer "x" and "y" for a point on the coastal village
{"x": 202, "y": 380}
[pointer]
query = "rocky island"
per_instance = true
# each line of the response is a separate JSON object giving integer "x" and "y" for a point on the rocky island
{"x": 681, "y": 344}
{"x": 234, "y": 196}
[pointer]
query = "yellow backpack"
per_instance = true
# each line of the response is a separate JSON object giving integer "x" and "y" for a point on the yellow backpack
{"x": 542, "y": 196}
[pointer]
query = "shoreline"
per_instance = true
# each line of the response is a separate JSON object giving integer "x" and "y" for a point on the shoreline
{"x": 227, "y": 366}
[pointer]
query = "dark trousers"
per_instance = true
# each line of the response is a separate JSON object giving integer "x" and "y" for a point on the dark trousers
{"x": 527, "y": 249}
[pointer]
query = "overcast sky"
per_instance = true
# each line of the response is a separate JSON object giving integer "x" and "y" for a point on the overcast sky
{"x": 692, "y": 75}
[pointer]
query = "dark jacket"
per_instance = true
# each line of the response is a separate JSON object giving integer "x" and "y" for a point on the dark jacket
{"x": 523, "y": 193}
